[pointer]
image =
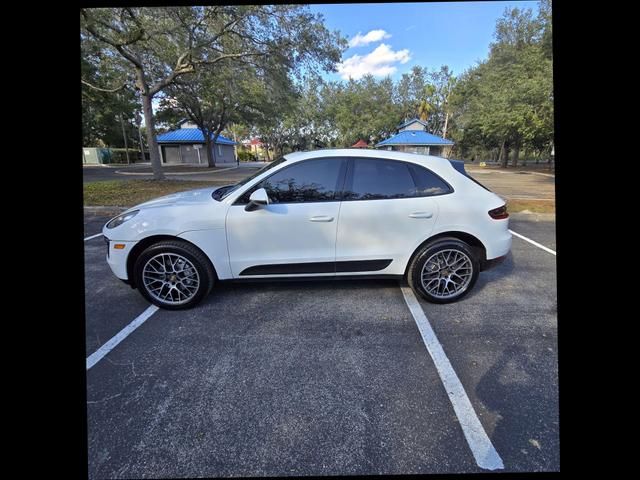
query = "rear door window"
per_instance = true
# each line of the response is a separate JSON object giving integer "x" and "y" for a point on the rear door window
{"x": 377, "y": 179}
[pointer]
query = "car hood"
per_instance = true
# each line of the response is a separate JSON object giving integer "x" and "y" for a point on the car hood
{"x": 189, "y": 197}
{"x": 172, "y": 215}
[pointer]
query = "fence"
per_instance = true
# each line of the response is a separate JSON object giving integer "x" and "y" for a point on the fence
{"x": 113, "y": 155}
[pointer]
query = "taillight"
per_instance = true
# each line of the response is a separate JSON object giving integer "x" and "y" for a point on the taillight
{"x": 499, "y": 213}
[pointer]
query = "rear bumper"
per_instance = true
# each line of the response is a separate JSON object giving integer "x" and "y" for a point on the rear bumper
{"x": 499, "y": 245}
{"x": 497, "y": 250}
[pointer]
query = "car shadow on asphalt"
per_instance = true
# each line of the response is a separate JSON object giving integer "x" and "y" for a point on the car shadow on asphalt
{"x": 491, "y": 276}
{"x": 516, "y": 391}
{"x": 297, "y": 285}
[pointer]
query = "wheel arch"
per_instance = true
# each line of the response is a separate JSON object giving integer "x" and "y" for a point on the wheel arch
{"x": 468, "y": 238}
{"x": 143, "y": 244}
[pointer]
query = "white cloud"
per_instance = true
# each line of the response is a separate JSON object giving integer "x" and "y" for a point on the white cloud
{"x": 372, "y": 36}
{"x": 378, "y": 63}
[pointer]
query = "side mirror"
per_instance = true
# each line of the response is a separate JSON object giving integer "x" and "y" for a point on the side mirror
{"x": 257, "y": 199}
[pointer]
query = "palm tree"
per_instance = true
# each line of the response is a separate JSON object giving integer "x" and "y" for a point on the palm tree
{"x": 424, "y": 109}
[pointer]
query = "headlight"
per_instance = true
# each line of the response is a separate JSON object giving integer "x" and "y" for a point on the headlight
{"x": 120, "y": 219}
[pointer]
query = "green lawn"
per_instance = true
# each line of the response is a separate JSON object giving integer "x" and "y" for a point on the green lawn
{"x": 536, "y": 206}
{"x": 127, "y": 193}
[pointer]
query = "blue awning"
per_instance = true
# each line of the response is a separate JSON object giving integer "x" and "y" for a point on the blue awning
{"x": 415, "y": 137}
{"x": 190, "y": 135}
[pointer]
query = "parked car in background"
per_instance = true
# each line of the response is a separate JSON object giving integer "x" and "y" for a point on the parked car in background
{"x": 327, "y": 213}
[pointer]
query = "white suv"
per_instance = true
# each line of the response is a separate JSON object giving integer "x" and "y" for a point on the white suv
{"x": 327, "y": 213}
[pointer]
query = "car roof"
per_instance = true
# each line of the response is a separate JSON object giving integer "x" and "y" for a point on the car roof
{"x": 427, "y": 160}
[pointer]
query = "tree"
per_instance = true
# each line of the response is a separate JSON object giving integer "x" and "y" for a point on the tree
{"x": 210, "y": 99}
{"x": 362, "y": 109}
{"x": 425, "y": 95}
{"x": 506, "y": 102}
{"x": 438, "y": 94}
{"x": 156, "y": 46}
{"x": 102, "y": 111}
{"x": 410, "y": 94}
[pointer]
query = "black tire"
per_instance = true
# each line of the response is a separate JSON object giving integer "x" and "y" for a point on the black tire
{"x": 414, "y": 273}
{"x": 206, "y": 274}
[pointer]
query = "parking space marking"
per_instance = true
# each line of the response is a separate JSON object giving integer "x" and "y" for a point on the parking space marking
{"x": 483, "y": 450}
{"x": 93, "y": 236}
{"x": 96, "y": 356}
{"x": 552, "y": 252}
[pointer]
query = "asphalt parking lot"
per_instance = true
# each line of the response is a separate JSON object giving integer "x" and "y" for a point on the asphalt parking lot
{"x": 323, "y": 378}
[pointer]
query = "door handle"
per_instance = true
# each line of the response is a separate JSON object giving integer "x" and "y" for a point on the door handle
{"x": 421, "y": 215}
{"x": 321, "y": 218}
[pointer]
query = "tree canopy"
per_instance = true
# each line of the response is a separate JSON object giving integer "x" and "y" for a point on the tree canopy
{"x": 152, "y": 48}
{"x": 506, "y": 102}
{"x": 256, "y": 69}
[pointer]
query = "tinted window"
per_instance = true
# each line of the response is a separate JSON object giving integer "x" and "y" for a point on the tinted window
{"x": 373, "y": 178}
{"x": 307, "y": 181}
{"x": 228, "y": 192}
{"x": 428, "y": 183}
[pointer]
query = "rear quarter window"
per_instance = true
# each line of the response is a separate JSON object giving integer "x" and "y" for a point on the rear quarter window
{"x": 428, "y": 183}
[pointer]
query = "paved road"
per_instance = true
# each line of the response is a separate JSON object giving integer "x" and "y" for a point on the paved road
{"x": 322, "y": 378}
{"x": 98, "y": 174}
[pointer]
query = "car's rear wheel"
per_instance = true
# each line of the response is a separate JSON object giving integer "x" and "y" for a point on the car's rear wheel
{"x": 444, "y": 270}
{"x": 173, "y": 275}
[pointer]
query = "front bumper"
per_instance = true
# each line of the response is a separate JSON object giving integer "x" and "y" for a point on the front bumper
{"x": 117, "y": 257}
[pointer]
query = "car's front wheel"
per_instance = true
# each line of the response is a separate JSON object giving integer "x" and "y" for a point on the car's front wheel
{"x": 444, "y": 270}
{"x": 173, "y": 275}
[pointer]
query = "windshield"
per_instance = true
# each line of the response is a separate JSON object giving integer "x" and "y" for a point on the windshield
{"x": 232, "y": 188}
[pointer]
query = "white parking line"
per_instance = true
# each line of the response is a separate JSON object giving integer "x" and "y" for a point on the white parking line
{"x": 481, "y": 447}
{"x": 93, "y": 236}
{"x": 552, "y": 252}
{"x": 96, "y": 356}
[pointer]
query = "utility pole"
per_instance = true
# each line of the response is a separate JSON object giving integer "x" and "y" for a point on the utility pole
{"x": 126, "y": 147}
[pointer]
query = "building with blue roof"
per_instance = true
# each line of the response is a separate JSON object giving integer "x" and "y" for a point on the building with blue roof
{"x": 412, "y": 137}
{"x": 187, "y": 145}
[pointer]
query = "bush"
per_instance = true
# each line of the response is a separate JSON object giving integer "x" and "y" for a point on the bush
{"x": 245, "y": 156}
{"x": 119, "y": 155}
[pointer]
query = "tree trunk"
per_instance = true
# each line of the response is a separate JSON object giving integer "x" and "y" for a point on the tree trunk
{"x": 446, "y": 122}
{"x": 504, "y": 154}
{"x": 209, "y": 145}
{"x": 156, "y": 166}
{"x": 516, "y": 153}
{"x": 124, "y": 136}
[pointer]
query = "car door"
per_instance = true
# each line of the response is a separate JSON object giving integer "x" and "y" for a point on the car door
{"x": 388, "y": 209}
{"x": 296, "y": 233}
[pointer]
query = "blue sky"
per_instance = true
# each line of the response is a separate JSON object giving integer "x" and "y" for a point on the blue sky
{"x": 393, "y": 37}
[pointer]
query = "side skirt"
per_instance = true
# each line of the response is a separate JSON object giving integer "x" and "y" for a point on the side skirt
{"x": 277, "y": 279}
{"x": 317, "y": 267}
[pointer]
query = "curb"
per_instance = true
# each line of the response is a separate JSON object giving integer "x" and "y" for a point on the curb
{"x": 493, "y": 170}
{"x": 527, "y": 215}
{"x": 119, "y": 172}
{"x": 104, "y": 209}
